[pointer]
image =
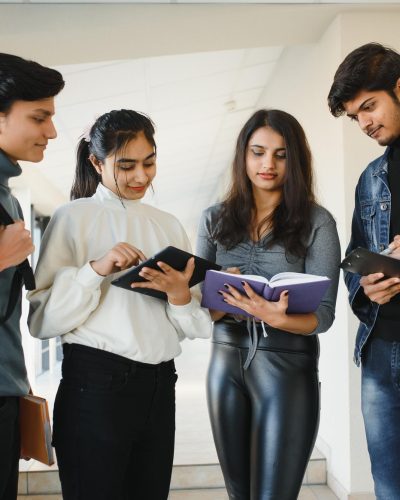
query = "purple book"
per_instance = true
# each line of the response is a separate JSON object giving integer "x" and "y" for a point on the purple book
{"x": 305, "y": 290}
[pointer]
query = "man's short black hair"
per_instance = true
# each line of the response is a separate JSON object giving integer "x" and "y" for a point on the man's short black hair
{"x": 370, "y": 67}
{"x": 23, "y": 80}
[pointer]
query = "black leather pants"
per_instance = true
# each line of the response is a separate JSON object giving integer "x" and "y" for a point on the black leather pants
{"x": 264, "y": 419}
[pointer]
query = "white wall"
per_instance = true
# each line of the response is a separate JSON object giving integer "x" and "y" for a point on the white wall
{"x": 300, "y": 86}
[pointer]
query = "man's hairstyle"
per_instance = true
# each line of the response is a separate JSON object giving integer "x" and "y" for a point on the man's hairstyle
{"x": 23, "y": 80}
{"x": 369, "y": 67}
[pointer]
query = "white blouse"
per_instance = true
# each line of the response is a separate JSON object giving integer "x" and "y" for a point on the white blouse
{"x": 72, "y": 300}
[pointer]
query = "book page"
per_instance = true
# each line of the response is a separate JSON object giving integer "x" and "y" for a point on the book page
{"x": 290, "y": 278}
{"x": 244, "y": 277}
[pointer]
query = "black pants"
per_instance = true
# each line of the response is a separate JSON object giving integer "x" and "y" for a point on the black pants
{"x": 114, "y": 426}
{"x": 9, "y": 447}
{"x": 264, "y": 419}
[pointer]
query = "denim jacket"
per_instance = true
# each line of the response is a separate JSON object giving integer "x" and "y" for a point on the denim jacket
{"x": 370, "y": 229}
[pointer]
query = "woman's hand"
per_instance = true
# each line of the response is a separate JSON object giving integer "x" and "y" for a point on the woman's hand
{"x": 120, "y": 257}
{"x": 273, "y": 313}
{"x": 217, "y": 315}
{"x": 174, "y": 283}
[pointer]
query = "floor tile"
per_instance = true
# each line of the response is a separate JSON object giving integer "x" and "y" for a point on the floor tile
{"x": 213, "y": 494}
{"x": 323, "y": 492}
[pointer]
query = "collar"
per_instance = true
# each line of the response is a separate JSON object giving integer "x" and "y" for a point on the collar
{"x": 8, "y": 169}
{"x": 382, "y": 163}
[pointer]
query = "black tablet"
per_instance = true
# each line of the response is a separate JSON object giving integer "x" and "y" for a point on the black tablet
{"x": 175, "y": 258}
{"x": 364, "y": 262}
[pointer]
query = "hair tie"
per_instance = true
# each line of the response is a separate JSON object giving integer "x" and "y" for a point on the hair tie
{"x": 86, "y": 133}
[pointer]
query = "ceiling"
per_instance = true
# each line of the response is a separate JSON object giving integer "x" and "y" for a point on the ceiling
{"x": 198, "y": 102}
{"x": 197, "y": 70}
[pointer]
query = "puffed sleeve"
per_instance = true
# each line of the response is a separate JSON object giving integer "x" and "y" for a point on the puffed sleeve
{"x": 323, "y": 258}
{"x": 68, "y": 291}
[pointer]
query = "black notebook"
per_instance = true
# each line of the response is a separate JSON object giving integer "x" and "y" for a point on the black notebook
{"x": 364, "y": 262}
{"x": 175, "y": 258}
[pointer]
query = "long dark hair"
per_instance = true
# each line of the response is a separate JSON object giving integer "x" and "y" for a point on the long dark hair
{"x": 109, "y": 134}
{"x": 369, "y": 67}
{"x": 23, "y": 80}
{"x": 290, "y": 220}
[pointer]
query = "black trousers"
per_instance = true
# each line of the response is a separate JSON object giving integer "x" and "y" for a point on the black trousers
{"x": 114, "y": 426}
{"x": 9, "y": 447}
{"x": 264, "y": 419}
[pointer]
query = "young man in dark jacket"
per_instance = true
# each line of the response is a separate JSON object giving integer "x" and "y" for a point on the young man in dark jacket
{"x": 27, "y": 92}
{"x": 366, "y": 88}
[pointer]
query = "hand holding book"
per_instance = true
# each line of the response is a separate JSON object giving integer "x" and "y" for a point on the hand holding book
{"x": 286, "y": 301}
{"x": 272, "y": 313}
{"x": 305, "y": 291}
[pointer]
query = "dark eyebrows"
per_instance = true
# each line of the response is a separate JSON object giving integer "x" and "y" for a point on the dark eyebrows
{"x": 264, "y": 148}
{"x": 132, "y": 160}
{"x": 43, "y": 111}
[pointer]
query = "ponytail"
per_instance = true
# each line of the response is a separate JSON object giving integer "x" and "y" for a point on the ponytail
{"x": 86, "y": 177}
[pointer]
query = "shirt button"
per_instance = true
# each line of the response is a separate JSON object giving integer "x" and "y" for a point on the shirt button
{"x": 384, "y": 206}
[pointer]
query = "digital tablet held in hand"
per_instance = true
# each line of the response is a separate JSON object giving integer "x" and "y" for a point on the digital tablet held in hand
{"x": 175, "y": 258}
{"x": 364, "y": 262}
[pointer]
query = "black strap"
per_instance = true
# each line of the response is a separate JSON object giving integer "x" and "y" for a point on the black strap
{"x": 23, "y": 273}
{"x": 15, "y": 292}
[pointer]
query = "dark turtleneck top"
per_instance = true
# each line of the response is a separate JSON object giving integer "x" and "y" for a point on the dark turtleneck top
{"x": 387, "y": 324}
{"x": 13, "y": 378}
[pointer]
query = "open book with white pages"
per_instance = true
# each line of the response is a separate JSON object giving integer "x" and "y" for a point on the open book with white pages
{"x": 305, "y": 290}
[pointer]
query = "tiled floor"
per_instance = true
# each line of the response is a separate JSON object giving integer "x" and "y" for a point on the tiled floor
{"x": 307, "y": 493}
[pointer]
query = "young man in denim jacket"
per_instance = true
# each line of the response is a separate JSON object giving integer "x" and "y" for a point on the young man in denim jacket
{"x": 27, "y": 92}
{"x": 366, "y": 88}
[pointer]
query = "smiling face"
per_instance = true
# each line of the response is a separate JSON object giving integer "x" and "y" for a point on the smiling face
{"x": 132, "y": 169}
{"x": 266, "y": 160}
{"x": 377, "y": 114}
{"x": 26, "y": 129}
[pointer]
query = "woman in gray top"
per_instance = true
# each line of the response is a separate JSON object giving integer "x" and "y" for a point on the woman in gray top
{"x": 263, "y": 394}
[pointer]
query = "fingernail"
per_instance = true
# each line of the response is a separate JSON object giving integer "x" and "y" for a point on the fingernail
{"x": 226, "y": 285}
{"x": 243, "y": 283}
{"x": 219, "y": 291}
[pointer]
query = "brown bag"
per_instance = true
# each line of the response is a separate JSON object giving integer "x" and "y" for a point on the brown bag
{"x": 35, "y": 429}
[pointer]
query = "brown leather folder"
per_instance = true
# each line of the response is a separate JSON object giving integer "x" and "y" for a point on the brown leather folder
{"x": 35, "y": 429}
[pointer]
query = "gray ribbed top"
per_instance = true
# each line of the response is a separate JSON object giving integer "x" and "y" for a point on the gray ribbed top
{"x": 323, "y": 256}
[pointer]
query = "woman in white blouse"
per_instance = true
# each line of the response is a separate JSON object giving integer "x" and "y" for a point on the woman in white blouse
{"x": 114, "y": 415}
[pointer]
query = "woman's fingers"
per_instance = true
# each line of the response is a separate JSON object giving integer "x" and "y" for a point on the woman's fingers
{"x": 232, "y": 270}
{"x": 250, "y": 292}
{"x": 127, "y": 255}
{"x": 189, "y": 269}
